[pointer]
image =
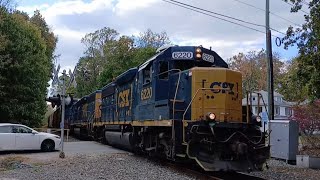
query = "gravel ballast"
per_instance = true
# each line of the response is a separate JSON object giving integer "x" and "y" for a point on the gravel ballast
{"x": 112, "y": 166}
{"x": 280, "y": 170}
{"x": 127, "y": 166}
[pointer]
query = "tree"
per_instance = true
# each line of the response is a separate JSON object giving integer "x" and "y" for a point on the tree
{"x": 9, "y": 5}
{"x": 290, "y": 85}
{"x": 107, "y": 55}
{"x": 306, "y": 38}
{"x": 24, "y": 70}
{"x": 46, "y": 33}
{"x": 152, "y": 39}
{"x": 120, "y": 55}
{"x": 253, "y": 67}
{"x": 91, "y": 65}
{"x": 85, "y": 84}
{"x": 308, "y": 117}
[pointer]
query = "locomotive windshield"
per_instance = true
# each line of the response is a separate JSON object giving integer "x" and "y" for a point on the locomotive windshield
{"x": 186, "y": 64}
{"x": 183, "y": 65}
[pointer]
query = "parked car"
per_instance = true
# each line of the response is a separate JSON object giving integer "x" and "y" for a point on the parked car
{"x": 20, "y": 137}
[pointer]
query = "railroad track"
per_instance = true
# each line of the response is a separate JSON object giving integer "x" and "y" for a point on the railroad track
{"x": 198, "y": 173}
{"x": 234, "y": 175}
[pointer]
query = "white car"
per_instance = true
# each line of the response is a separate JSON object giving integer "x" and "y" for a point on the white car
{"x": 20, "y": 137}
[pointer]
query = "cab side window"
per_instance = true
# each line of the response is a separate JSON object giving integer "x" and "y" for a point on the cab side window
{"x": 147, "y": 74}
{"x": 163, "y": 70}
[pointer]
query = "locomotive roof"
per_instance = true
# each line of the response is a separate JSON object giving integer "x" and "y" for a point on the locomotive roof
{"x": 167, "y": 53}
{"x": 81, "y": 101}
{"x": 145, "y": 64}
{"x": 126, "y": 76}
{"x": 163, "y": 53}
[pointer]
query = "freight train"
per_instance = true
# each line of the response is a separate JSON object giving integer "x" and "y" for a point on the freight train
{"x": 182, "y": 103}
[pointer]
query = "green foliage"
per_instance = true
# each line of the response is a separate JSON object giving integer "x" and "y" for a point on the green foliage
{"x": 84, "y": 77}
{"x": 306, "y": 38}
{"x": 108, "y": 55}
{"x": 253, "y": 67}
{"x": 291, "y": 86}
{"x": 152, "y": 39}
{"x": 25, "y": 68}
{"x": 46, "y": 33}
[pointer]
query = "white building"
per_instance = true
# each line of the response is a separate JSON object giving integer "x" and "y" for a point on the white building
{"x": 282, "y": 108}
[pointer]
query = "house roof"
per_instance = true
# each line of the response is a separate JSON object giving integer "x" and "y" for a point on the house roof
{"x": 264, "y": 100}
{"x": 262, "y": 92}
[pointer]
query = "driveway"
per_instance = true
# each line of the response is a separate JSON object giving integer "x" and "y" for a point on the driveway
{"x": 70, "y": 149}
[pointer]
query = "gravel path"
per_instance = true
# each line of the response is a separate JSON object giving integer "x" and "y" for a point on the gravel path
{"x": 111, "y": 167}
{"x": 123, "y": 166}
{"x": 280, "y": 170}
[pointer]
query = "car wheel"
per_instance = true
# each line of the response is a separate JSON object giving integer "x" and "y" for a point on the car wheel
{"x": 47, "y": 146}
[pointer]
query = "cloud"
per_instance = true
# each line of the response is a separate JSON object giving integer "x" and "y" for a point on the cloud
{"x": 124, "y": 7}
{"x": 72, "y": 19}
{"x": 31, "y": 9}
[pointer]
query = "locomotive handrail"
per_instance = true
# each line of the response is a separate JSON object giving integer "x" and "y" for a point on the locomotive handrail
{"x": 183, "y": 120}
{"x": 167, "y": 72}
{"x": 173, "y": 106}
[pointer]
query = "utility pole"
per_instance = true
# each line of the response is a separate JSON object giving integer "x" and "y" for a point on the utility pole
{"x": 269, "y": 65}
{"x": 62, "y": 155}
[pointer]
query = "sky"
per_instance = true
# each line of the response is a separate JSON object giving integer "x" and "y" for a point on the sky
{"x": 70, "y": 20}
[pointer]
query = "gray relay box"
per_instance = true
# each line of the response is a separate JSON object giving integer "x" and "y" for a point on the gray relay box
{"x": 284, "y": 139}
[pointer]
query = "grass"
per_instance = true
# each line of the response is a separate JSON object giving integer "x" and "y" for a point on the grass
{"x": 7, "y": 163}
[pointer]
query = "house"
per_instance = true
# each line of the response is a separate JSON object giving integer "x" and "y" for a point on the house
{"x": 282, "y": 108}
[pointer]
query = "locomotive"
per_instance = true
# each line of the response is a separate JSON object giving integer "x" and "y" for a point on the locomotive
{"x": 182, "y": 103}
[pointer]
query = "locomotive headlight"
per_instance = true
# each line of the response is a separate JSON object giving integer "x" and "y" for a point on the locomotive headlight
{"x": 211, "y": 116}
{"x": 198, "y": 53}
{"x": 258, "y": 119}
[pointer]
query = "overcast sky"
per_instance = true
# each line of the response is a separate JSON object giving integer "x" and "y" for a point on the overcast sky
{"x": 70, "y": 20}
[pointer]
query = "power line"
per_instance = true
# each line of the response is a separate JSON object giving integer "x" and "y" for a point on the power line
{"x": 269, "y": 12}
{"x": 294, "y": 5}
{"x": 200, "y": 10}
{"x": 168, "y": 1}
{"x": 217, "y": 13}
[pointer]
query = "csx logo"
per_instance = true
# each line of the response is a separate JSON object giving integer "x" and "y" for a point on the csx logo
{"x": 222, "y": 87}
{"x": 146, "y": 93}
{"x": 123, "y": 98}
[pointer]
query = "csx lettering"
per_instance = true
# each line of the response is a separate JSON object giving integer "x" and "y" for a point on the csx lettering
{"x": 222, "y": 87}
{"x": 146, "y": 93}
{"x": 123, "y": 98}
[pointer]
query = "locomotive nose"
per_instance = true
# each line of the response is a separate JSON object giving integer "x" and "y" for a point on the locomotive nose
{"x": 218, "y": 92}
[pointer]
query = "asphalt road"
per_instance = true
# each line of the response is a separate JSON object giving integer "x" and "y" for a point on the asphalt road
{"x": 87, "y": 147}
{"x": 70, "y": 149}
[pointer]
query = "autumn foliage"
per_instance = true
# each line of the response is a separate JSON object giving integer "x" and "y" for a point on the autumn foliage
{"x": 308, "y": 117}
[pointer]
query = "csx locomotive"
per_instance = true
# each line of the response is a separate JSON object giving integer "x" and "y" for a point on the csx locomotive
{"x": 182, "y": 103}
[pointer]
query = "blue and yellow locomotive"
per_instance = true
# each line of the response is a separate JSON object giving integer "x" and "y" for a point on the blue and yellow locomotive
{"x": 182, "y": 103}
